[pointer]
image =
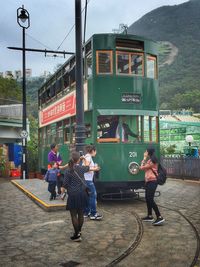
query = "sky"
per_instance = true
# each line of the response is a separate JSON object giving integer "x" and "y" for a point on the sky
{"x": 51, "y": 21}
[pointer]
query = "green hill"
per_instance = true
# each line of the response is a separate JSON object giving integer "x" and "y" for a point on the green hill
{"x": 177, "y": 30}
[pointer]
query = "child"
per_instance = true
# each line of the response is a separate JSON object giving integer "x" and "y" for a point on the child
{"x": 51, "y": 177}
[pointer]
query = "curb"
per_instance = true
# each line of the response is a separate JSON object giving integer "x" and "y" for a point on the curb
{"x": 41, "y": 203}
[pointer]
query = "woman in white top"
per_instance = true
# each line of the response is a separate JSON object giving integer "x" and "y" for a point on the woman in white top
{"x": 90, "y": 210}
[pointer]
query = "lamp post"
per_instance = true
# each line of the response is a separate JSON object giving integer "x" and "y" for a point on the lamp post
{"x": 24, "y": 21}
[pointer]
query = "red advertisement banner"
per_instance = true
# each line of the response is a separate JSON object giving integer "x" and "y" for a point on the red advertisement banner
{"x": 64, "y": 108}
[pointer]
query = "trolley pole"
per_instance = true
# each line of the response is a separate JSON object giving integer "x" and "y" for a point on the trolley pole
{"x": 80, "y": 126}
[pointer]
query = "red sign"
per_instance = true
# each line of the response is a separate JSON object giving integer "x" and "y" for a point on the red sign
{"x": 64, "y": 108}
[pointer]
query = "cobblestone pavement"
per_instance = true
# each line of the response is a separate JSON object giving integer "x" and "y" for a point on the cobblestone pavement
{"x": 30, "y": 236}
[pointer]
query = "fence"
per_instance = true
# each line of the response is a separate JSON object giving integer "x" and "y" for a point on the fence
{"x": 182, "y": 167}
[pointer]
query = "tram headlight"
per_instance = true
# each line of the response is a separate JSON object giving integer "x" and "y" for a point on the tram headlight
{"x": 133, "y": 168}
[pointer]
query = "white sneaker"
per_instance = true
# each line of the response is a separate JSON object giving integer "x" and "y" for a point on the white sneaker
{"x": 97, "y": 217}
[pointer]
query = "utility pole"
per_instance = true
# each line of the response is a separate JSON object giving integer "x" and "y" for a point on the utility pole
{"x": 80, "y": 126}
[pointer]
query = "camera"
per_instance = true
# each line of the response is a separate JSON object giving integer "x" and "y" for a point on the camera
{"x": 81, "y": 153}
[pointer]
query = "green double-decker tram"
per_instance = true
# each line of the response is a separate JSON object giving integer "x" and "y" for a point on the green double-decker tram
{"x": 120, "y": 103}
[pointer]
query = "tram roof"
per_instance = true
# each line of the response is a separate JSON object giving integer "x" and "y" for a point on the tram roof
{"x": 122, "y": 35}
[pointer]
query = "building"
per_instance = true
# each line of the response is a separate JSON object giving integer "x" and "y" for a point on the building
{"x": 18, "y": 74}
{"x": 10, "y": 139}
{"x": 175, "y": 126}
{"x": 9, "y": 74}
{"x": 28, "y": 73}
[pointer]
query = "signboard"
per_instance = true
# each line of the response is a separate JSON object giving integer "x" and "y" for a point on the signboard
{"x": 131, "y": 98}
{"x": 61, "y": 109}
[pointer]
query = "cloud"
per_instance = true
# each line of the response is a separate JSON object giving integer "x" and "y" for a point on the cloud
{"x": 51, "y": 20}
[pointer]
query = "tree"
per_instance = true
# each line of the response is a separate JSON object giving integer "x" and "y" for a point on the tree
{"x": 10, "y": 91}
{"x": 32, "y": 146}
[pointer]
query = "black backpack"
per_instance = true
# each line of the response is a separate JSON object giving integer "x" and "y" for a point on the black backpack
{"x": 162, "y": 175}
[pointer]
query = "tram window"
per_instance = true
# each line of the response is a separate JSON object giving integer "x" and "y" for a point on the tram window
{"x": 43, "y": 98}
{"x": 146, "y": 129}
{"x": 130, "y": 63}
{"x": 106, "y": 129}
{"x": 137, "y": 64}
{"x": 58, "y": 86}
{"x": 43, "y": 136}
{"x": 104, "y": 62}
{"x": 88, "y": 130}
{"x": 151, "y": 67}
{"x": 66, "y": 80}
{"x": 48, "y": 135}
{"x": 59, "y": 133}
{"x": 73, "y": 123}
{"x": 88, "y": 65}
{"x": 123, "y": 63}
{"x": 67, "y": 134}
{"x": 53, "y": 90}
{"x": 72, "y": 76}
{"x": 128, "y": 129}
{"x": 67, "y": 131}
{"x": 48, "y": 95}
{"x": 154, "y": 129}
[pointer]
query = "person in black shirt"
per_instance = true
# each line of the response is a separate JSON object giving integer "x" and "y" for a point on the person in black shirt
{"x": 76, "y": 187}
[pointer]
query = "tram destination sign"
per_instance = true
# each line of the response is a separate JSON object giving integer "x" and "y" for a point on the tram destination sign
{"x": 131, "y": 98}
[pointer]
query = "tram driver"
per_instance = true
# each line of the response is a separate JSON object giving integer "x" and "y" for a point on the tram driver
{"x": 126, "y": 131}
{"x": 114, "y": 130}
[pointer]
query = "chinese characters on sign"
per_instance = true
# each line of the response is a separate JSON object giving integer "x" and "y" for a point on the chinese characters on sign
{"x": 62, "y": 108}
{"x": 131, "y": 98}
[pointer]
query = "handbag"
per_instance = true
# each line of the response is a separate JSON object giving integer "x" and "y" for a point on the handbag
{"x": 85, "y": 187}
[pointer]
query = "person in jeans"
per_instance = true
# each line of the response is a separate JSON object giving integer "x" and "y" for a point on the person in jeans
{"x": 150, "y": 166}
{"x": 90, "y": 211}
{"x": 51, "y": 177}
{"x": 76, "y": 186}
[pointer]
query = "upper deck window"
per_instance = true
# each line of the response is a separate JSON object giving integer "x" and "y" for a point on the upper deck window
{"x": 137, "y": 64}
{"x": 104, "y": 62}
{"x": 130, "y": 63}
{"x": 152, "y": 67}
{"x": 89, "y": 65}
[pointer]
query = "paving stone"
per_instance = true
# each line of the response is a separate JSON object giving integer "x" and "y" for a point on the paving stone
{"x": 29, "y": 236}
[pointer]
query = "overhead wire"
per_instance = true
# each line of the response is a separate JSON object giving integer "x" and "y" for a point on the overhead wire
{"x": 33, "y": 38}
{"x": 87, "y": 2}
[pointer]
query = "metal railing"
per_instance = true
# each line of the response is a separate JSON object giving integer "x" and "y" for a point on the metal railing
{"x": 182, "y": 167}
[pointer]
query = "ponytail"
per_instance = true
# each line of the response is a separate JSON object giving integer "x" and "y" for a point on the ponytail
{"x": 152, "y": 156}
{"x": 74, "y": 160}
{"x": 71, "y": 165}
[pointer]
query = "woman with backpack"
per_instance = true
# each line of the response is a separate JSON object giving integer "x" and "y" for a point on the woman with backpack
{"x": 150, "y": 166}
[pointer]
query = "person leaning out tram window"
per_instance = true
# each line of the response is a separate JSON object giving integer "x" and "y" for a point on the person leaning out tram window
{"x": 150, "y": 166}
{"x": 126, "y": 131}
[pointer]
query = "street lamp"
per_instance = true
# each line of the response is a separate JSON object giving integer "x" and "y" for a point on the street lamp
{"x": 189, "y": 139}
{"x": 24, "y": 21}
